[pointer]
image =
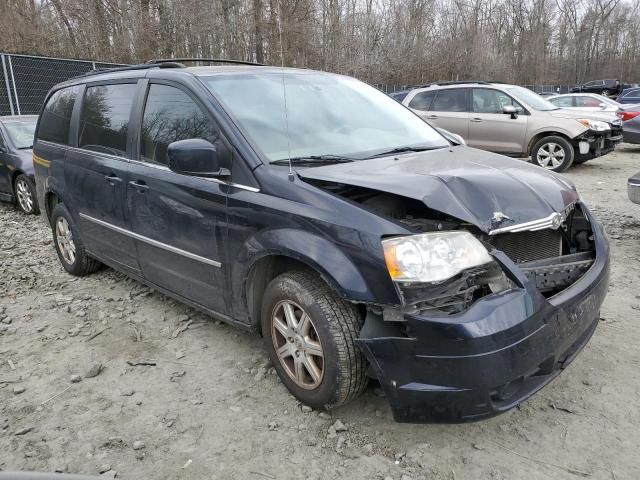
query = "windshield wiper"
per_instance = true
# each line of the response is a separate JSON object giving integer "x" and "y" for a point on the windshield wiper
{"x": 313, "y": 160}
{"x": 25, "y": 148}
{"x": 403, "y": 150}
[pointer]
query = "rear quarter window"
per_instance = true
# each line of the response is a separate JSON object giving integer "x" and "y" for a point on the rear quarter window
{"x": 56, "y": 116}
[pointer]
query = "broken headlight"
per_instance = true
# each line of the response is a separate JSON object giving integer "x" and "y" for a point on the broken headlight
{"x": 433, "y": 257}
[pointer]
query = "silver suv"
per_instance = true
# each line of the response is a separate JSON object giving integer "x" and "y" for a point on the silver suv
{"x": 515, "y": 121}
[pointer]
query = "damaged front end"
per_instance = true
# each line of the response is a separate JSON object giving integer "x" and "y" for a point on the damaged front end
{"x": 593, "y": 144}
{"x": 484, "y": 340}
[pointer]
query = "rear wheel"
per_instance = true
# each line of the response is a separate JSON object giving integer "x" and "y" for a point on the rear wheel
{"x": 606, "y": 93}
{"x": 25, "y": 191}
{"x": 309, "y": 332}
{"x": 71, "y": 250}
{"x": 553, "y": 153}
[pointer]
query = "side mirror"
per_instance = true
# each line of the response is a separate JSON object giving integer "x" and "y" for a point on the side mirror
{"x": 510, "y": 110}
{"x": 199, "y": 158}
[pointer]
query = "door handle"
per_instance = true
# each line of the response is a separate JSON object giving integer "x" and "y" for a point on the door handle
{"x": 476, "y": 119}
{"x": 139, "y": 185}
{"x": 113, "y": 179}
{"x": 431, "y": 117}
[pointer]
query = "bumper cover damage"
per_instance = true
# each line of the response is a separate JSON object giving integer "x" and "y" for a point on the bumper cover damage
{"x": 498, "y": 352}
{"x": 594, "y": 144}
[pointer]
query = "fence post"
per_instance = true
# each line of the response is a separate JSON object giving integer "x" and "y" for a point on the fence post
{"x": 6, "y": 81}
{"x": 15, "y": 91}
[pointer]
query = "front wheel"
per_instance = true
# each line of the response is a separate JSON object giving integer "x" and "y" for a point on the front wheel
{"x": 309, "y": 332}
{"x": 25, "y": 191}
{"x": 553, "y": 153}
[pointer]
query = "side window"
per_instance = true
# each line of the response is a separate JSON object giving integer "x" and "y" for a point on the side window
{"x": 104, "y": 120}
{"x": 486, "y": 100}
{"x": 422, "y": 100}
{"x": 451, "y": 100}
{"x": 56, "y": 116}
{"x": 633, "y": 94}
{"x": 562, "y": 102}
{"x": 587, "y": 102}
{"x": 171, "y": 115}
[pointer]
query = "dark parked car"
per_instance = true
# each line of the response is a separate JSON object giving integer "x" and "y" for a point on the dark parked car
{"x": 399, "y": 95}
{"x": 16, "y": 164}
{"x": 629, "y": 96}
{"x": 630, "y": 117}
{"x": 348, "y": 231}
{"x": 608, "y": 88}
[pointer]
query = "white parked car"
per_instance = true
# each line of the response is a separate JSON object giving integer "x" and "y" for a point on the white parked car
{"x": 588, "y": 102}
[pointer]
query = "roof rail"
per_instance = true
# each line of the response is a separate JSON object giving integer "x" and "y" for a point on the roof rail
{"x": 162, "y": 61}
{"x": 462, "y": 82}
{"x": 98, "y": 71}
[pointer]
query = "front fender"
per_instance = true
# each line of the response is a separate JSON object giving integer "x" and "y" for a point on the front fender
{"x": 325, "y": 257}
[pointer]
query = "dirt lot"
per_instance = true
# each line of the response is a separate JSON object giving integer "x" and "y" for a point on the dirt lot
{"x": 211, "y": 406}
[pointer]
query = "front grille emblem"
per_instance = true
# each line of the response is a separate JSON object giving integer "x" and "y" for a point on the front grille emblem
{"x": 556, "y": 220}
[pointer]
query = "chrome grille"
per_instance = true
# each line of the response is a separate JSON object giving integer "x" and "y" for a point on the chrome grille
{"x": 528, "y": 246}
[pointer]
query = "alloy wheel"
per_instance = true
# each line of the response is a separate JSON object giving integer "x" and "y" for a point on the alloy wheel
{"x": 64, "y": 238}
{"x": 23, "y": 192}
{"x": 297, "y": 344}
{"x": 550, "y": 155}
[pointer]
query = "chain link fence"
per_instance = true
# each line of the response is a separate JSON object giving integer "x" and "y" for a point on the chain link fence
{"x": 26, "y": 79}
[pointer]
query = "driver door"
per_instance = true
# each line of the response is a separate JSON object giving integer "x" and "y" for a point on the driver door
{"x": 490, "y": 128}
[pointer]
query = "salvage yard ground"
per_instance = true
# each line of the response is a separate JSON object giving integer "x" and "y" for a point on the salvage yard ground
{"x": 103, "y": 375}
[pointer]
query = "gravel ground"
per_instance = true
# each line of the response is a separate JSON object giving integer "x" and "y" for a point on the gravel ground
{"x": 103, "y": 375}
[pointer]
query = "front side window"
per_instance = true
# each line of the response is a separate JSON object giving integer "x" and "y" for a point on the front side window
{"x": 21, "y": 132}
{"x": 562, "y": 102}
{"x": 531, "y": 99}
{"x": 171, "y": 115}
{"x": 104, "y": 120}
{"x": 422, "y": 100}
{"x": 486, "y": 100}
{"x": 323, "y": 114}
{"x": 56, "y": 116}
{"x": 451, "y": 100}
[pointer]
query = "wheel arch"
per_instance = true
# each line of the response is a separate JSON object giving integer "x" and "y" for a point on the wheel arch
{"x": 250, "y": 274}
{"x": 547, "y": 133}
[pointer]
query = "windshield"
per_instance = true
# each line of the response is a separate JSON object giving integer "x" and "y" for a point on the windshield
{"x": 21, "y": 132}
{"x": 326, "y": 115}
{"x": 532, "y": 99}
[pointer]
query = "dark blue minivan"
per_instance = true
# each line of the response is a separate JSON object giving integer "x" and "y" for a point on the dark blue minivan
{"x": 309, "y": 207}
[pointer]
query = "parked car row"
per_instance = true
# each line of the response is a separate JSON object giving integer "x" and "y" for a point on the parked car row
{"x": 358, "y": 239}
{"x": 515, "y": 121}
{"x": 17, "y": 182}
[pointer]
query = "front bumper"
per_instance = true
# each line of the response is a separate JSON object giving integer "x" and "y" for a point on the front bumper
{"x": 491, "y": 357}
{"x": 599, "y": 143}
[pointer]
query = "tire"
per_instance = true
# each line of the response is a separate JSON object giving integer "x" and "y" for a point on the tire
{"x": 333, "y": 324}
{"x": 559, "y": 153}
{"x": 25, "y": 191}
{"x": 71, "y": 251}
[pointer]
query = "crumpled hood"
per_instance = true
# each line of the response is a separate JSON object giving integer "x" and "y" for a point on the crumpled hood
{"x": 602, "y": 115}
{"x": 471, "y": 185}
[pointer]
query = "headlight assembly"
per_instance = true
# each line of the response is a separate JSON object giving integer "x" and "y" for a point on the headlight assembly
{"x": 595, "y": 125}
{"x": 433, "y": 257}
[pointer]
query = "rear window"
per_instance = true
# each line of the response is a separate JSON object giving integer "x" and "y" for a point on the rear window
{"x": 56, "y": 116}
{"x": 422, "y": 100}
{"x": 104, "y": 121}
{"x": 451, "y": 100}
